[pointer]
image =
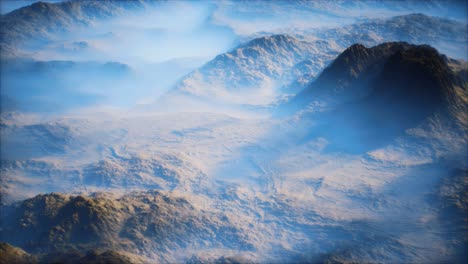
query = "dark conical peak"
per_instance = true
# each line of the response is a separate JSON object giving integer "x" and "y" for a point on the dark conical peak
{"x": 355, "y": 54}
{"x": 418, "y": 75}
{"x": 357, "y": 50}
{"x": 353, "y": 49}
{"x": 356, "y": 47}
{"x": 357, "y": 58}
{"x": 381, "y": 92}
{"x": 360, "y": 70}
{"x": 414, "y": 17}
{"x": 46, "y": 201}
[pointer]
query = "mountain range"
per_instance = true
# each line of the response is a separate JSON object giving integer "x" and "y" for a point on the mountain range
{"x": 344, "y": 143}
{"x": 376, "y": 93}
{"x": 279, "y": 65}
{"x": 448, "y": 36}
{"x": 41, "y": 21}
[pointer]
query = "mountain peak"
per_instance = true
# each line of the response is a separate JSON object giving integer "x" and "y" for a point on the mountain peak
{"x": 355, "y": 72}
{"x": 393, "y": 86}
{"x": 253, "y": 65}
{"x": 356, "y": 59}
{"x": 356, "y": 46}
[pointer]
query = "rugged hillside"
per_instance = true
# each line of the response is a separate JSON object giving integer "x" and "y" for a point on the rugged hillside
{"x": 263, "y": 63}
{"x": 379, "y": 92}
{"x": 151, "y": 223}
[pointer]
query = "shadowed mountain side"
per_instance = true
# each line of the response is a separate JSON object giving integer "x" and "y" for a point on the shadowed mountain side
{"x": 351, "y": 73}
{"x": 382, "y": 91}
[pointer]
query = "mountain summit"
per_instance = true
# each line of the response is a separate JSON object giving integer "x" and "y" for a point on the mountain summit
{"x": 391, "y": 68}
{"x": 386, "y": 90}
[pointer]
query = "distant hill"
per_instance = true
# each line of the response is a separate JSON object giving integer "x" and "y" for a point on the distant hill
{"x": 265, "y": 61}
{"x": 39, "y": 21}
{"x": 448, "y": 36}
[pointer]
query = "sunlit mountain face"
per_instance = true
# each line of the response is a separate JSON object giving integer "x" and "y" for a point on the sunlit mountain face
{"x": 233, "y": 131}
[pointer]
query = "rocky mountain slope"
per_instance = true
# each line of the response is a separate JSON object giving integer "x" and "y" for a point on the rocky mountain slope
{"x": 151, "y": 223}
{"x": 351, "y": 72}
{"x": 358, "y": 71}
{"x": 387, "y": 89}
{"x": 14, "y": 255}
{"x": 263, "y": 63}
